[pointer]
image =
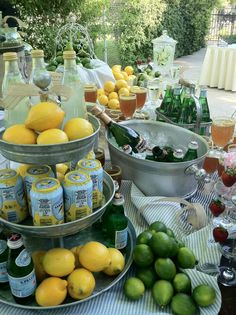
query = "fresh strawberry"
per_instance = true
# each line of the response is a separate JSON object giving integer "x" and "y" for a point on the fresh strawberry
{"x": 216, "y": 207}
{"x": 228, "y": 179}
{"x": 220, "y": 234}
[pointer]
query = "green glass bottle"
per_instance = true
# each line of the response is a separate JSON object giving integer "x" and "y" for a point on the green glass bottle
{"x": 175, "y": 109}
{"x": 159, "y": 154}
{"x": 192, "y": 103}
{"x": 20, "y": 269}
{"x": 166, "y": 102}
{"x": 122, "y": 134}
{"x": 186, "y": 110}
{"x": 191, "y": 154}
{"x": 204, "y": 104}
{"x": 116, "y": 223}
{"x": 178, "y": 155}
{"x": 149, "y": 155}
{"x": 4, "y": 284}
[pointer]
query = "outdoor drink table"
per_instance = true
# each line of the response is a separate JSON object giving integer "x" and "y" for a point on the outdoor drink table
{"x": 219, "y": 68}
{"x": 113, "y": 301}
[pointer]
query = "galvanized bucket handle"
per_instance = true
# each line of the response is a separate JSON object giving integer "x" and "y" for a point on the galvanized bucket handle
{"x": 195, "y": 215}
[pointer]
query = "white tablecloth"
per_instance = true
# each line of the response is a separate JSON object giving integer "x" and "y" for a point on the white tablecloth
{"x": 219, "y": 68}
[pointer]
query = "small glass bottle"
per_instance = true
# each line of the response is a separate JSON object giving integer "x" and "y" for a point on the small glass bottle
{"x": 116, "y": 223}
{"x": 4, "y": 284}
{"x": 159, "y": 154}
{"x": 12, "y": 75}
{"x": 20, "y": 268}
{"x": 175, "y": 108}
{"x": 178, "y": 155}
{"x": 75, "y": 106}
{"x": 204, "y": 104}
{"x": 192, "y": 103}
{"x": 167, "y": 101}
{"x": 191, "y": 154}
{"x": 186, "y": 110}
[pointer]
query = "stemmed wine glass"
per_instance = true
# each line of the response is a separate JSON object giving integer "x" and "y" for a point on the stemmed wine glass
{"x": 227, "y": 273}
{"x": 127, "y": 105}
{"x": 222, "y": 130}
{"x": 141, "y": 96}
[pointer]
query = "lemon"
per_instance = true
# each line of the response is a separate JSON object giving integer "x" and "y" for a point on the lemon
{"x": 121, "y": 84}
{"x": 75, "y": 250}
{"x": 100, "y": 92}
{"x": 62, "y": 168}
{"x": 51, "y": 292}
{"x": 113, "y": 104}
{"x": 129, "y": 70}
{"x": 81, "y": 283}
{"x": 109, "y": 86}
{"x": 78, "y": 128}
{"x": 118, "y": 75}
{"x": 117, "y": 262}
{"x": 19, "y": 134}
{"x": 113, "y": 95}
{"x": 116, "y": 68}
{"x": 123, "y": 91}
{"x": 94, "y": 256}
{"x": 37, "y": 257}
{"x": 59, "y": 262}
{"x": 125, "y": 75}
{"x": 52, "y": 136}
{"x": 45, "y": 115}
{"x": 103, "y": 99}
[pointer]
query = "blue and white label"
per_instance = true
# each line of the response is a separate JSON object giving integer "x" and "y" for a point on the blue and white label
{"x": 23, "y": 259}
{"x": 121, "y": 238}
{"x": 3, "y": 272}
{"x": 23, "y": 286}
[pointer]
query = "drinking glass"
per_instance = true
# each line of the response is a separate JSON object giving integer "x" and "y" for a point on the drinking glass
{"x": 127, "y": 105}
{"x": 90, "y": 92}
{"x": 115, "y": 172}
{"x": 100, "y": 155}
{"x": 174, "y": 74}
{"x": 222, "y": 130}
{"x": 154, "y": 90}
{"x": 227, "y": 273}
{"x": 141, "y": 96}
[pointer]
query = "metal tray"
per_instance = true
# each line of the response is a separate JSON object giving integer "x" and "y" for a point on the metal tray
{"x": 27, "y": 228}
{"x": 103, "y": 282}
{"x": 51, "y": 154}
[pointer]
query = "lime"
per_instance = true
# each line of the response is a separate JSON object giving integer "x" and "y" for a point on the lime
{"x": 148, "y": 276}
{"x": 183, "y": 304}
{"x": 143, "y": 255}
{"x": 161, "y": 244}
{"x": 133, "y": 288}
{"x": 165, "y": 268}
{"x": 182, "y": 283}
{"x": 170, "y": 233}
{"x": 204, "y": 295}
{"x": 157, "y": 226}
{"x": 175, "y": 247}
{"x": 186, "y": 258}
{"x": 162, "y": 292}
{"x": 144, "y": 237}
{"x": 180, "y": 243}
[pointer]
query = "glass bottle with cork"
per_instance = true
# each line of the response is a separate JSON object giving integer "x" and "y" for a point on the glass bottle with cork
{"x": 20, "y": 269}
{"x": 74, "y": 106}
{"x": 12, "y": 75}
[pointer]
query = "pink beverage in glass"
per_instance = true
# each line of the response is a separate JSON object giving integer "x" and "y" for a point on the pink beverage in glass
{"x": 90, "y": 93}
{"x": 222, "y": 130}
{"x": 127, "y": 105}
{"x": 141, "y": 95}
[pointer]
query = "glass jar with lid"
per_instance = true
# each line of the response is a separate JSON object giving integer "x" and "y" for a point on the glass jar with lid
{"x": 12, "y": 37}
{"x": 163, "y": 52}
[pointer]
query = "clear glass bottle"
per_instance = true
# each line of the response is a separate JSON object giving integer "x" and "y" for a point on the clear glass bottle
{"x": 191, "y": 154}
{"x": 4, "y": 284}
{"x": 12, "y": 75}
{"x": 75, "y": 106}
{"x": 20, "y": 268}
{"x": 204, "y": 104}
{"x": 116, "y": 223}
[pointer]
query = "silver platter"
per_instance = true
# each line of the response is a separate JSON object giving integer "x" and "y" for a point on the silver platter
{"x": 103, "y": 282}
{"x": 50, "y": 154}
{"x": 61, "y": 230}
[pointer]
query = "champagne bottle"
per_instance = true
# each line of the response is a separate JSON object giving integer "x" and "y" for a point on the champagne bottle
{"x": 122, "y": 134}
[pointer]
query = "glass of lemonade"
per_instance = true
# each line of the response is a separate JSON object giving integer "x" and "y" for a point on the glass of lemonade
{"x": 90, "y": 92}
{"x": 141, "y": 96}
{"x": 127, "y": 105}
{"x": 222, "y": 130}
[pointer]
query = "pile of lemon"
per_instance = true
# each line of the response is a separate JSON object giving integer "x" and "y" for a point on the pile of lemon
{"x": 109, "y": 94}
{"x": 43, "y": 126}
{"x": 63, "y": 272}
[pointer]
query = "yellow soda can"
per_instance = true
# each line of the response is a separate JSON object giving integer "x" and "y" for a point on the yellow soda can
{"x": 13, "y": 206}
{"x": 32, "y": 174}
{"x": 47, "y": 202}
{"x": 95, "y": 171}
{"x": 78, "y": 190}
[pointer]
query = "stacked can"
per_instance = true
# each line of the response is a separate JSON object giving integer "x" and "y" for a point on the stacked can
{"x": 32, "y": 174}
{"x": 47, "y": 202}
{"x": 13, "y": 206}
{"x": 94, "y": 169}
{"x": 78, "y": 189}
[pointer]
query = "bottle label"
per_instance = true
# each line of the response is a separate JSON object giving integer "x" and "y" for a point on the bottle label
{"x": 23, "y": 259}
{"x": 23, "y": 286}
{"x": 3, "y": 246}
{"x": 121, "y": 238}
{"x": 3, "y": 272}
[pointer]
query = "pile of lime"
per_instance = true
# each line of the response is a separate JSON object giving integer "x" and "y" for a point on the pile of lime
{"x": 160, "y": 259}
{"x": 146, "y": 74}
